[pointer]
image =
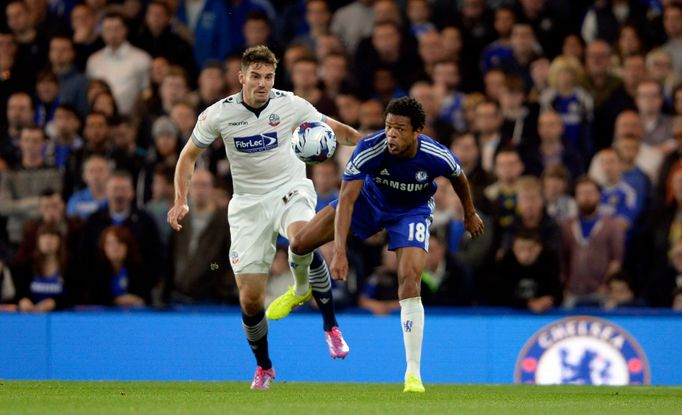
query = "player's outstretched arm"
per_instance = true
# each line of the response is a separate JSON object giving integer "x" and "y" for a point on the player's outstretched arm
{"x": 472, "y": 222}
{"x": 183, "y": 175}
{"x": 350, "y": 190}
{"x": 345, "y": 134}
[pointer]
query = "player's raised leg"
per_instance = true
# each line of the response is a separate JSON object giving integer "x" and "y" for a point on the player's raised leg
{"x": 314, "y": 234}
{"x": 410, "y": 266}
{"x": 295, "y": 216}
{"x": 298, "y": 294}
{"x": 252, "y": 300}
{"x": 320, "y": 280}
{"x": 300, "y": 259}
{"x": 304, "y": 237}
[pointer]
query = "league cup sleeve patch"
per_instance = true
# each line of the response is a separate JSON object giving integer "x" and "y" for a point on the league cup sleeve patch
{"x": 351, "y": 170}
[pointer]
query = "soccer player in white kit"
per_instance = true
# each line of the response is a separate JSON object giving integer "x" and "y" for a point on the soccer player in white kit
{"x": 271, "y": 196}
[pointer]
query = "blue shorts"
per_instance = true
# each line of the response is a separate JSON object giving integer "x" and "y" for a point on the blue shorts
{"x": 408, "y": 228}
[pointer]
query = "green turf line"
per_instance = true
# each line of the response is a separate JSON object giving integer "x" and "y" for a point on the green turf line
{"x": 206, "y": 398}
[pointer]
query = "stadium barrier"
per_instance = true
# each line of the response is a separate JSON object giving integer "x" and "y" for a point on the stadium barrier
{"x": 460, "y": 346}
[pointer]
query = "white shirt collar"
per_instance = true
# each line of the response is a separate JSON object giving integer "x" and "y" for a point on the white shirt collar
{"x": 121, "y": 51}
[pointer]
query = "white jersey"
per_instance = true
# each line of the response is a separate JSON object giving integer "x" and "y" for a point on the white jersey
{"x": 258, "y": 147}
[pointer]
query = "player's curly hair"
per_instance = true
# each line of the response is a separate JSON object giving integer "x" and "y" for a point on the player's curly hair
{"x": 258, "y": 54}
{"x": 408, "y": 107}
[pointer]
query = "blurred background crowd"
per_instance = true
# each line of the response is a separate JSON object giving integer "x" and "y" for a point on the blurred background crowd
{"x": 565, "y": 115}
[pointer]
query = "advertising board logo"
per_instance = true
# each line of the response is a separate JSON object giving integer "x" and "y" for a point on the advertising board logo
{"x": 582, "y": 350}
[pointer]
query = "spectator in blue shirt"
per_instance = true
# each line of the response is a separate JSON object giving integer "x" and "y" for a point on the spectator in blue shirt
{"x": 96, "y": 172}
{"x": 212, "y": 30}
{"x": 618, "y": 198}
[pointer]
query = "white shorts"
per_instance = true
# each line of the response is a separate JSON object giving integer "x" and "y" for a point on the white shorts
{"x": 256, "y": 220}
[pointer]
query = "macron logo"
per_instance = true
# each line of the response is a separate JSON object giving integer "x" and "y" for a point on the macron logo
{"x": 256, "y": 143}
{"x": 384, "y": 172}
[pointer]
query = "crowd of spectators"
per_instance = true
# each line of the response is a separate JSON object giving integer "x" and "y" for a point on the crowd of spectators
{"x": 565, "y": 115}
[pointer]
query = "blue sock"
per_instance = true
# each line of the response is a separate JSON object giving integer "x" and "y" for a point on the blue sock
{"x": 321, "y": 283}
{"x": 256, "y": 328}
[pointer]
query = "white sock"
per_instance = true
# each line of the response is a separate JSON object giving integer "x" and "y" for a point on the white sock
{"x": 412, "y": 320}
{"x": 300, "y": 265}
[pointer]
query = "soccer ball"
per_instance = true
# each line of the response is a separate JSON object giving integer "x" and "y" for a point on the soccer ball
{"x": 313, "y": 142}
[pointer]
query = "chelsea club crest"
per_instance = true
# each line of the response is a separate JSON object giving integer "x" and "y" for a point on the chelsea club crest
{"x": 421, "y": 176}
{"x": 582, "y": 350}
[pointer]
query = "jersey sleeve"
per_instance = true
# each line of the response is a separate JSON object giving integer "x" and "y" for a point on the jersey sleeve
{"x": 365, "y": 158}
{"x": 305, "y": 111}
{"x": 206, "y": 129}
{"x": 445, "y": 161}
{"x": 456, "y": 171}
{"x": 352, "y": 172}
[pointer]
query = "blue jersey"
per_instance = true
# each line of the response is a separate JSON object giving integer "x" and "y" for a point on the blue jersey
{"x": 620, "y": 200}
{"x": 395, "y": 184}
{"x": 397, "y": 192}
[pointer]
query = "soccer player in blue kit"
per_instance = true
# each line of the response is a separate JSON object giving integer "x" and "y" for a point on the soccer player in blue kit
{"x": 388, "y": 184}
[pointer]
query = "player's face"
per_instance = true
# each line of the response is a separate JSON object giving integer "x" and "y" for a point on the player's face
{"x": 402, "y": 139}
{"x": 256, "y": 83}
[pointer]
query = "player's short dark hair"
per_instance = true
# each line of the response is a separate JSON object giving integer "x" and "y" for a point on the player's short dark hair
{"x": 408, "y": 107}
{"x": 258, "y": 54}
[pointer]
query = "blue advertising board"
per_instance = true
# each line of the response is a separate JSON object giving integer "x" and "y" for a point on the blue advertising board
{"x": 459, "y": 347}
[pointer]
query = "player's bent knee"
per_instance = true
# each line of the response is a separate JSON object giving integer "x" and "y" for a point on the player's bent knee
{"x": 251, "y": 309}
{"x": 298, "y": 244}
{"x": 251, "y": 304}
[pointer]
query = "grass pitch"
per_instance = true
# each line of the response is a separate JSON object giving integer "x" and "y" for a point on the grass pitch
{"x": 151, "y": 398}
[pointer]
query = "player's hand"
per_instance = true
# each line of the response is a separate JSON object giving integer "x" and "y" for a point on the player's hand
{"x": 175, "y": 215}
{"x": 339, "y": 266}
{"x": 473, "y": 224}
